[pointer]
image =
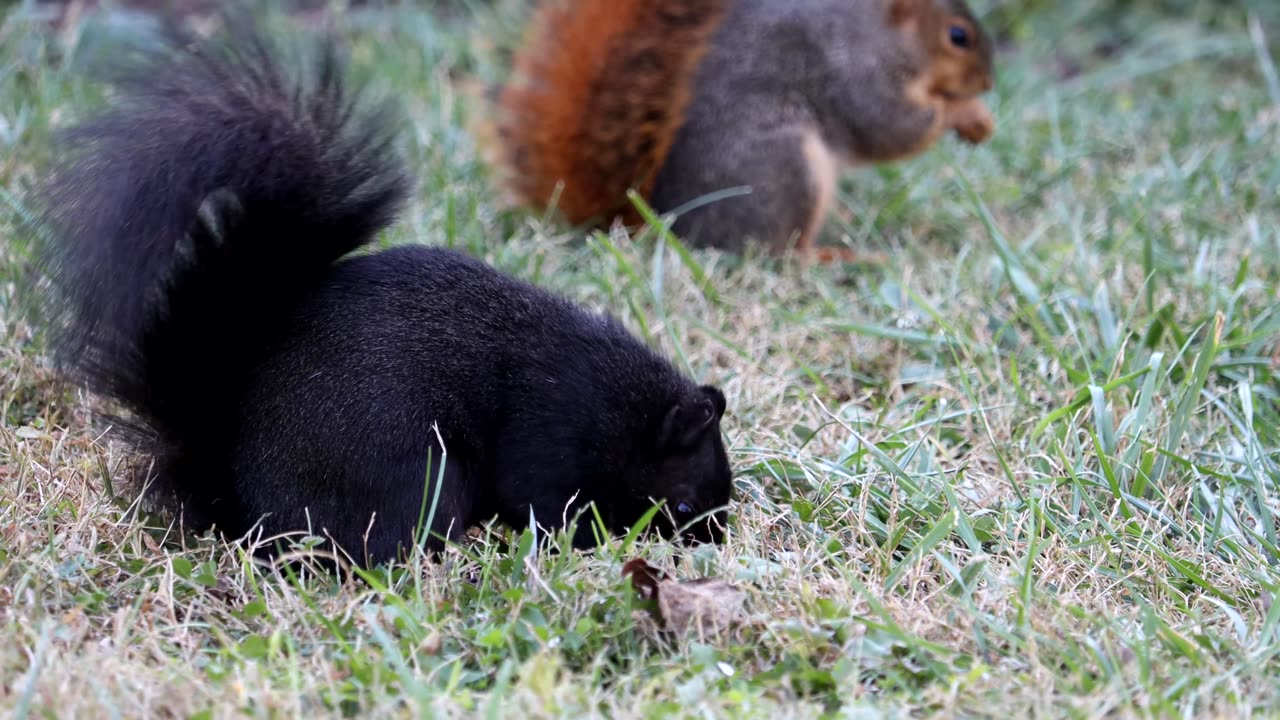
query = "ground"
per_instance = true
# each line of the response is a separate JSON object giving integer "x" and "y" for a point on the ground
{"x": 1022, "y": 461}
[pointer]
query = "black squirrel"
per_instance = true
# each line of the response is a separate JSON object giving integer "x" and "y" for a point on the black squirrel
{"x": 194, "y": 259}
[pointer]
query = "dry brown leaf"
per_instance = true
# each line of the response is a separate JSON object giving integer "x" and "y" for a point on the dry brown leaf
{"x": 645, "y": 578}
{"x": 703, "y": 607}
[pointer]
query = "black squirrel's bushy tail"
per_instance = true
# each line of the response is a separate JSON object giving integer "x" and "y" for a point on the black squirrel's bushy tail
{"x": 187, "y": 219}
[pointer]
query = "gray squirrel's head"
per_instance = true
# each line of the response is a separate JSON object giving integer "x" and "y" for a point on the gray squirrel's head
{"x": 959, "y": 50}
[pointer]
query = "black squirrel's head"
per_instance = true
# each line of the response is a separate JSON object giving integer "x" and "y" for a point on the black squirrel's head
{"x": 687, "y": 469}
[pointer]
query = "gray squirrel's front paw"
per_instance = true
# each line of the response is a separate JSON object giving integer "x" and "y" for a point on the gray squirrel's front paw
{"x": 971, "y": 120}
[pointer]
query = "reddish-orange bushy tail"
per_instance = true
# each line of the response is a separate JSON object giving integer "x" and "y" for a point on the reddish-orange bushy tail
{"x": 598, "y": 91}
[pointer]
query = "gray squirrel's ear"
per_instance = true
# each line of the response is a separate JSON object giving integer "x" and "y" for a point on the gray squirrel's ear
{"x": 688, "y": 420}
{"x": 900, "y": 11}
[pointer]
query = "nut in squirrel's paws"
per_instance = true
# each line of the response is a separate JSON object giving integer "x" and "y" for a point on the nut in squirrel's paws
{"x": 971, "y": 120}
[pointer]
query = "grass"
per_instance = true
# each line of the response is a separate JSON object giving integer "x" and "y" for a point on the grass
{"x": 1025, "y": 465}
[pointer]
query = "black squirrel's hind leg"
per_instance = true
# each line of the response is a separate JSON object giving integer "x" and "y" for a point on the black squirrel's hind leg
{"x": 406, "y": 508}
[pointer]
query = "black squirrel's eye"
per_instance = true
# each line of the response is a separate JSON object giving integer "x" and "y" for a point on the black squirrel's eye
{"x": 959, "y": 36}
{"x": 684, "y": 509}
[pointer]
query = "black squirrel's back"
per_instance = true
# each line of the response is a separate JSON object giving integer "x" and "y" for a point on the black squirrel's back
{"x": 198, "y": 227}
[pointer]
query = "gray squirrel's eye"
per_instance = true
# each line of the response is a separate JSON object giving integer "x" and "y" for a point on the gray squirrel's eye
{"x": 684, "y": 509}
{"x": 959, "y": 36}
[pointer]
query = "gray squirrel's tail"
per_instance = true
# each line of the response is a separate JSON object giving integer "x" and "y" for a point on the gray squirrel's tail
{"x": 187, "y": 220}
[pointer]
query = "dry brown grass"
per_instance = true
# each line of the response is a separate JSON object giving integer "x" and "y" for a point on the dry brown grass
{"x": 936, "y": 515}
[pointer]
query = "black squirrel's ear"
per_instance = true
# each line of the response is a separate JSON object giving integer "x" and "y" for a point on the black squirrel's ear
{"x": 717, "y": 399}
{"x": 688, "y": 420}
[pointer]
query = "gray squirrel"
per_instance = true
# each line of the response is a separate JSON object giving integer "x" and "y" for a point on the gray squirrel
{"x": 680, "y": 100}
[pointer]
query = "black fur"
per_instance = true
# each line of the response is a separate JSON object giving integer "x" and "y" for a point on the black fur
{"x": 197, "y": 231}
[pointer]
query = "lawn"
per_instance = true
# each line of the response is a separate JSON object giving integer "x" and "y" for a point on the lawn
{"x": 1024, "y": 460}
